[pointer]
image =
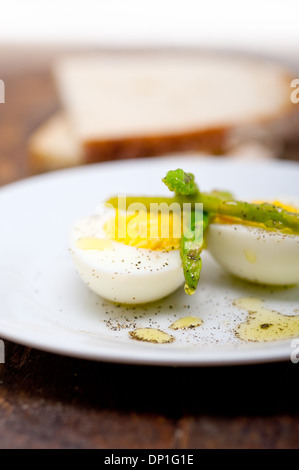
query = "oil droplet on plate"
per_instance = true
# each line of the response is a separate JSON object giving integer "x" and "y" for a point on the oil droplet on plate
{"x": 264, "y": 324}
{"x": 186, "y": 322}
{"x": 151, "y": 335}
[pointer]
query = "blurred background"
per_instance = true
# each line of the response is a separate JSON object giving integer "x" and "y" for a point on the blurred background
{"x": 268, "y": 26}
{"x": 33, "y": 35}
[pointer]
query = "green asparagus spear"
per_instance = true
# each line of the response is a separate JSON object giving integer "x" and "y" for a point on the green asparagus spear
{"x": 191, "y": 248}
{"x": 270, "y": 215}
{"x": 183, "y": 184}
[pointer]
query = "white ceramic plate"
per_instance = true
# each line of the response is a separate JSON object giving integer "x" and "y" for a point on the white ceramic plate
{"x": 44, "y": 304}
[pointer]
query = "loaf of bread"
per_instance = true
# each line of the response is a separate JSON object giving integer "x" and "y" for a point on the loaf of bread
{"x": 128, "y": 106}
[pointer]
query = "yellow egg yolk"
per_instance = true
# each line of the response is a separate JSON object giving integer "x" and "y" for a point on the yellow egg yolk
{"x": 160, "y": 232}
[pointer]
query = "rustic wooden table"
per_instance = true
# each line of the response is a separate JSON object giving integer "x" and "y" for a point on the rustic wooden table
{"x": 52, "y": 401}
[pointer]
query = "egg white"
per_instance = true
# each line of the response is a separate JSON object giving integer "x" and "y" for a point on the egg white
{"x": 256, "y": 255}
{"x": 122, "y": 273}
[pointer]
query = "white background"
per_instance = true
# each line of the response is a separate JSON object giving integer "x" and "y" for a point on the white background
{"x": 266, "y": 26}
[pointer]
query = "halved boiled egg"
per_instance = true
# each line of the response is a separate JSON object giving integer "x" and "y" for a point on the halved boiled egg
{"x": 129, "y": 267}
{"x": 254, "y": 253}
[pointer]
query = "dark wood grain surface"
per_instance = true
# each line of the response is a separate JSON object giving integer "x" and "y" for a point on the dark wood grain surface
{"x": 53, "y": 401}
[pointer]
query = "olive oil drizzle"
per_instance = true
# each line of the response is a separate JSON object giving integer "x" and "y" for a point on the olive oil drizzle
{"x": 264, "y": 324}
{"x": 186, "y": 322}
{"x": 155, "y": 335}
{"x": 151, "y": 335}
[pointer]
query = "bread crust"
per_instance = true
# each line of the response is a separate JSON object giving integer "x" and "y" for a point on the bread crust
{"x": 208, "y": 140}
